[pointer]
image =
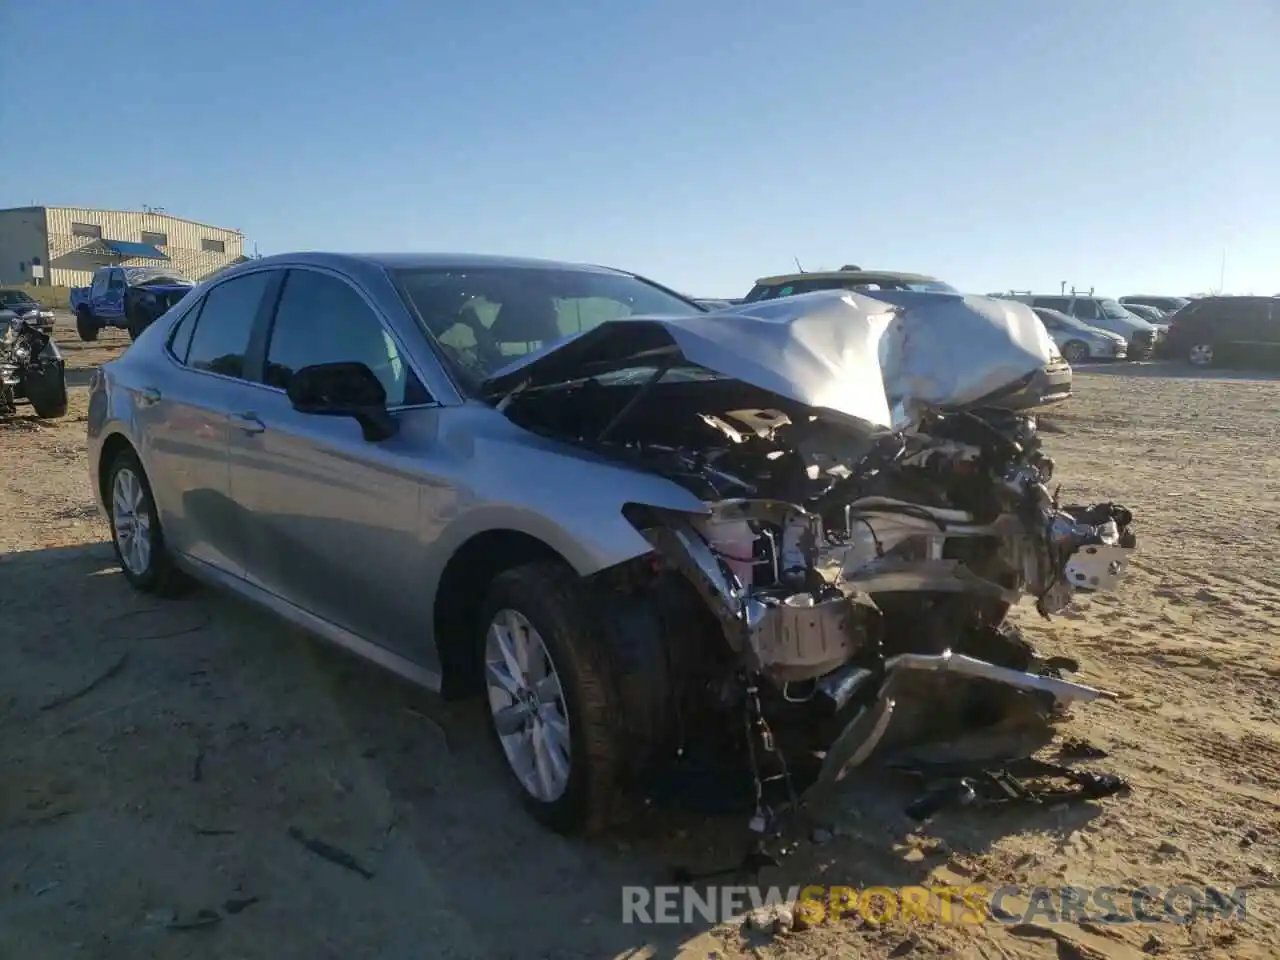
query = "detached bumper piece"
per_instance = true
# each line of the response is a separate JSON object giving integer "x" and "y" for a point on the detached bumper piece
{"x": 863, "y": 733}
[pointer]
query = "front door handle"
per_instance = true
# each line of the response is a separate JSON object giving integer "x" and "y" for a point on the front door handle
{"x": 148, "y": 396}
{"x": 248, "y": 422}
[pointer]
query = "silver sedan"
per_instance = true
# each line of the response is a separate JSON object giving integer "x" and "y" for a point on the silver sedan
{"x": 306, "y": 431}
{"x": 1080, "y": 342}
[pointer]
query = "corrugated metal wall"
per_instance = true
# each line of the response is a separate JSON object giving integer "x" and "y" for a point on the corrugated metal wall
{"x": 185, "y": 242}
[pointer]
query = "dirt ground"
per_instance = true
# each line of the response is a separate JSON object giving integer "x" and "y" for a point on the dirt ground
{"x": 150, "y": 815}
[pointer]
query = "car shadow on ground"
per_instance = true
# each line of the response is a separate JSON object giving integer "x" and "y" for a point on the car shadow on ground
{"x": 1177, "y": 369}
{"x": 196, "y": 769}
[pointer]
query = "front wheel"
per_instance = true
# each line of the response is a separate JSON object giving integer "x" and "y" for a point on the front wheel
{"x": 1075, "y": 351}
{"x": 86, "y": 325}
{"x": 1200, "y": 355}
{"x": 136, "y": 535}
{"x": 552, "y": 691}
{"x": 47, "y": 391}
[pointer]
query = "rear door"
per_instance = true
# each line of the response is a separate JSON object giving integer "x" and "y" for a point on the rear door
{"x": 1251, "y": 337}
{"x": 112, "y": 303}
{"x": 184, "y": 416}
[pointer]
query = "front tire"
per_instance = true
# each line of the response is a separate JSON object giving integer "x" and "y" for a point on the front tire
{"x": 47, "y": 391}
{"x": 552, "y": 691}
{"x": 86, "y": 325}
{"x": 1075, "y": 351}
{"x": 136, "y": 535}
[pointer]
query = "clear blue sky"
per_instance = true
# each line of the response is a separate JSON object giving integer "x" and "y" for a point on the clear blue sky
{"x": 995, "y": 143}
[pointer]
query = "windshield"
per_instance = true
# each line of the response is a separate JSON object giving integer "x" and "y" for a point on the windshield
{"x": 484, "y": 318}
{"x": 14, "y": 298}
{"x": 1114, "y": 311}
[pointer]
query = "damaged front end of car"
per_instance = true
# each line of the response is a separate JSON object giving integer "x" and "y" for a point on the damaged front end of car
{"x": 875, "y": 504}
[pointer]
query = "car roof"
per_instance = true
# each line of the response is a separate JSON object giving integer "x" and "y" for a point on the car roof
{"x": 864, "y": 276}
{"x": 410, "y": 261}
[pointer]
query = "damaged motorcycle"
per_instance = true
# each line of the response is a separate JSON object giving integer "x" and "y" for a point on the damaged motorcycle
{"x": 877, "y": 500}
{"x": 31, "y": 368}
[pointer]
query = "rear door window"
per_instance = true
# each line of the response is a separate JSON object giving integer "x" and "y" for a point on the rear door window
{"x": 221, "y": 336}
{"x": 1250, "y": 319}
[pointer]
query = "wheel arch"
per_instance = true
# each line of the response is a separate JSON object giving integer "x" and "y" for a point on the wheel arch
{"x": 460, "y": 591}
{"x": 112, "y": 447}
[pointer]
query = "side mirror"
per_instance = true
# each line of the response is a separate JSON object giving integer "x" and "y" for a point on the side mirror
{"x": 344, "y": 390}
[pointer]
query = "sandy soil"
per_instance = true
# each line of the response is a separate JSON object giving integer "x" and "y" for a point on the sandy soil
{"x": 150, "y": 815}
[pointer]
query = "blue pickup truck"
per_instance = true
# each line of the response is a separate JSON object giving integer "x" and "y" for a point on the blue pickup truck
{"x": 129, "y": 298}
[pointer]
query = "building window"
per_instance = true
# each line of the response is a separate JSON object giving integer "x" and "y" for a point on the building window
{"x": 213, "y": 246}
{"x": 86, "y": 230}
{"x": 155, "y": 239}
{"x": 35, "y": 261}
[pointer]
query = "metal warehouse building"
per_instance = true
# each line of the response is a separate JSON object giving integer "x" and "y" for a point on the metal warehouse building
{"x": 67, "y": 244}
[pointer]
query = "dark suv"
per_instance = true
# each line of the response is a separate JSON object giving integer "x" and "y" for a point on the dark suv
{"x": 1226, "y": 331}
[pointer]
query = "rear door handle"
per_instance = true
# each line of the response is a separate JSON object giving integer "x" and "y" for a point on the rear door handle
{"x": 248, "y": 422}
{"x": 148, "y": 396}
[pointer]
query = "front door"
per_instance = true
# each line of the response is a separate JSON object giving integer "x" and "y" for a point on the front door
{"x": 335, "y": 517}
{"x": 112, "y": 303}
{"x": 184, "y": 415}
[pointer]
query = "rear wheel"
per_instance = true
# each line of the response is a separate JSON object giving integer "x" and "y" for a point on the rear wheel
{"x": 136, "y": 534}
{"x": 552, "y": 691}
{"x": 1076, "y": 351}
{"x": 86, "y": 326}
{"x": 1200, "y": 354}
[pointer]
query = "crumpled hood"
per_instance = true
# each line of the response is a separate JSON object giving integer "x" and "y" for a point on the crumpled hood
{"x": 842, "y": 351}
{"x": 951, "y": 350}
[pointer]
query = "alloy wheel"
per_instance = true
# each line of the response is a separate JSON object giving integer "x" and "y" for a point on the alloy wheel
{"x": 527, "y": 704}
{"x": 1075, "y": 353}
{"x": 1201, "y": 354}
{"x": 131, "y": 521}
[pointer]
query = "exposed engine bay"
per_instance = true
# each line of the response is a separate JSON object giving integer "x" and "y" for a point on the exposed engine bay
{"x": 847, "y": 589}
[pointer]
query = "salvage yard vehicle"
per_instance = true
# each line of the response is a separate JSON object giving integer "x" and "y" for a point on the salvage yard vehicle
{"x": 129, "y": 298}
{"x": 1080, "y": 342}
{"x": 1226, "y": 331}
{"x": 31, "y": 368}
{"x": 1103, "y": 313}
{"x": 787, "y": 535}
{"x": 850, "y": 277}
{"x": 24, "y": 305}
{"x": 1166, "y": 305}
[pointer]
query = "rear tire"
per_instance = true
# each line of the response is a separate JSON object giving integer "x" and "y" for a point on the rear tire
{"x": 47, "y": 392}
{"x": 136, "y": 534}
{"x": 1076, "y": 351}
{"x": 552, "y": 609}
{"x": 86, "y": 326}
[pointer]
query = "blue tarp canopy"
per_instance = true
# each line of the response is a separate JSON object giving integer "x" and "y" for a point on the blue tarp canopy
{"x": 127, "y": 248}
